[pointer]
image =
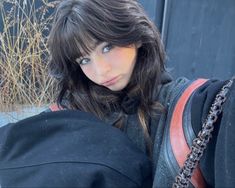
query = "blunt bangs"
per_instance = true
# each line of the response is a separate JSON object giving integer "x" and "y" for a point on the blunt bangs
{"x": 112, "y": 21}
{"x": 75, "y": 40}
{"x": 83, "y": 24}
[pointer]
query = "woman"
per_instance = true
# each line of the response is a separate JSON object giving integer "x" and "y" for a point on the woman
{"x": 109, "y": 61}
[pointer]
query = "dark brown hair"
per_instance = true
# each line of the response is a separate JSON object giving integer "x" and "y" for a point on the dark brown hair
{"x": 77, "y": 27}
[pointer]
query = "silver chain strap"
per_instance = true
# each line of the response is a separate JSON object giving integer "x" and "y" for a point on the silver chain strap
{"x": 202, "y": 139}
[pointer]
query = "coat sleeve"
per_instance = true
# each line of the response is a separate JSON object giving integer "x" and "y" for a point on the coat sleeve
{"x": 225, "y": 145}
{"x": 217, "y": 163}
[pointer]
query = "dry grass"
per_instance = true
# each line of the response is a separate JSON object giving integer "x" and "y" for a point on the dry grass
{"x": 24, "y": 55}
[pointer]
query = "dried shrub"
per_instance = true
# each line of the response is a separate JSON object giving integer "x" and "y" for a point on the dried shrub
{"x": 24, "y": 55}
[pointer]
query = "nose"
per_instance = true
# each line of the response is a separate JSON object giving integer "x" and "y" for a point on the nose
{"x": 102, "y": 67}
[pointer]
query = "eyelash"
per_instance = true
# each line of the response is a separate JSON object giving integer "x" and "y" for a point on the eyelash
{"x": 109, "y": 46}
{"x": 81, "y": 61}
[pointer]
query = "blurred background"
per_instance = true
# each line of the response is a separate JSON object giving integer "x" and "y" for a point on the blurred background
{"x": 198, "y": 35}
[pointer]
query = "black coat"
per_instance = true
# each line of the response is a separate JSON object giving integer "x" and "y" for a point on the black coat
{"x": 69, "y": 149}
{"x": 75, "y": 137}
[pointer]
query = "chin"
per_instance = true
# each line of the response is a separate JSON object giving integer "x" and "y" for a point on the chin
{"x": 117, "y": 87}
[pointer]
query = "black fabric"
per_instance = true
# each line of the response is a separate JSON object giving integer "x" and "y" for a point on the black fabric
{"x": 97, "y": 154}
{"x": 225, "y": 147}
{"x": 202, "y": 101}
{"x": 130, "y": 105}
{"x": 69, "y": 149}
{"x": 165, "y": 165}
{"x": 212, "y": 168}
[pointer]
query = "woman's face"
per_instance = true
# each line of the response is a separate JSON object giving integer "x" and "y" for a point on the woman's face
{"x": 109, "y": 66}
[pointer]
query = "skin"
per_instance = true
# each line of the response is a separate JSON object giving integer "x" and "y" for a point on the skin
{"x": 109, "y": 66}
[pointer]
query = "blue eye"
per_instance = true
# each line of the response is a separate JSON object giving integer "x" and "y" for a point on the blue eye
{"x": 84, "y": 61}
{"x": 107, "y": 48}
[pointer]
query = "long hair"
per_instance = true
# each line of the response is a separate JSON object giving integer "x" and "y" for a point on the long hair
{"x": 78, "y": 26}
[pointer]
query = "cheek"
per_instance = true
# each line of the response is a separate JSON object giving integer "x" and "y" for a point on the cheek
{"x": 127, "y": 59}
{"x": 88, "y": 72}
{"x": 123, "y": 58}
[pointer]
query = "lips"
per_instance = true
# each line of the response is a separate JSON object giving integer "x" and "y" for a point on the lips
{"x": 111, "y": 81}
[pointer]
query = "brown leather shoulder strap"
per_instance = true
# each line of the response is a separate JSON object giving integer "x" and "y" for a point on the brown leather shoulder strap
{"x": 178, "y": 141}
